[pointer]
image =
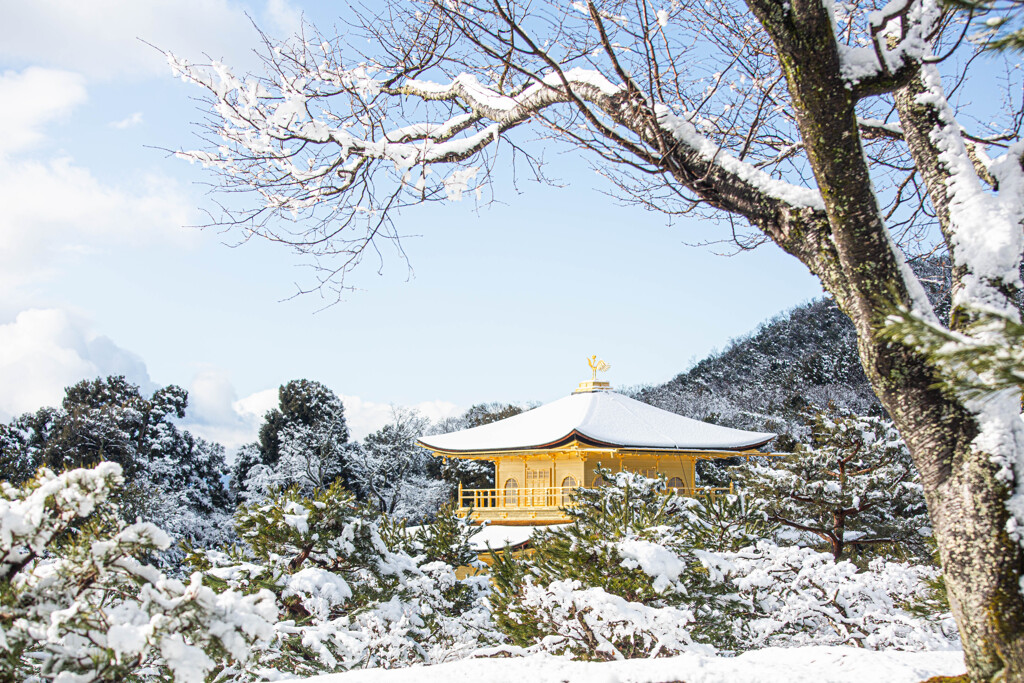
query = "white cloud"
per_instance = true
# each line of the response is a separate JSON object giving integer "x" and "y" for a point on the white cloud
{"x": 45, "y": 350}
{"x": 42, "y": 351}
{"x": 366, "y": 417}
{"x": 133, "y": 120}
{"x": 254, "y": 406}
{"x": 215, "y": 413}
{"x": 32, "y": 99}
{"x": 55, "y": 210}
{"x": 104, "y": 38}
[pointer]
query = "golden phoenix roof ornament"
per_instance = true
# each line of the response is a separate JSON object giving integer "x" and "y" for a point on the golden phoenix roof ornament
{"x": 597, "y": 366}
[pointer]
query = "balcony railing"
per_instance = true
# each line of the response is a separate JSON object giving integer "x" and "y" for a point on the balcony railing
{"x": 516, "y": 499}
{"x": 549, "y": 497}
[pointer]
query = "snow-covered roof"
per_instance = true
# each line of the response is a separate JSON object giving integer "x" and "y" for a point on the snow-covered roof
{"x": 598, "y": 418}
{"x": 497, "y": 537}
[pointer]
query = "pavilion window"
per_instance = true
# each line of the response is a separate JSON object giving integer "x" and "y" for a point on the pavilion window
{"x": 511, "y": 492}
{"x": 675, "y": 483}
{"x": 537, "y": 482}
{"x": 568, "y": 484}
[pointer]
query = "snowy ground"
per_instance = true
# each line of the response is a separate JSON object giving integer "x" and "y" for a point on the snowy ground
{"x": 770, "y": 665}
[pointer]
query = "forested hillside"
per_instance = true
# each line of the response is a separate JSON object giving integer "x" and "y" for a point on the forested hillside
{"x": 804, "y": 357}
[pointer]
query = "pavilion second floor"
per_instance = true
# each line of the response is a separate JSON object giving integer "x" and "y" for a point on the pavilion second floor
{"x": 536, "y": 488}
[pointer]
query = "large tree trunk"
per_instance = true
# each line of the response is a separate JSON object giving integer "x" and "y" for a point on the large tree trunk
{"x": 982, "y": 565}
{"x": 966, "y": 497}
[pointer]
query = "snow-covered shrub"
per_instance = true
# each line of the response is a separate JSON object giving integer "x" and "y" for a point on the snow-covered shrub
{"x": 447, "y": 538}
{"x": 77, "y": 602}
{"x": 344, "y": 599}
{"x": 590, "y": 623}
{"x": 633, "y": 545}
{"x": 435, "y": 617}
{"x": 797, "y": 596}
{"x": 644, "y": 574}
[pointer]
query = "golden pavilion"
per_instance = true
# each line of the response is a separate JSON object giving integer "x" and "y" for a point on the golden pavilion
{"x": 541, "y": 455}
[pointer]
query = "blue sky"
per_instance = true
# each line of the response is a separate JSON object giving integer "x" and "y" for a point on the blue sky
{"x": 101, "y": 273}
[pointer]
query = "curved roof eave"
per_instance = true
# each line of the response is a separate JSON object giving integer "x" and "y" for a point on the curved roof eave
{"x": 586, "y": 440}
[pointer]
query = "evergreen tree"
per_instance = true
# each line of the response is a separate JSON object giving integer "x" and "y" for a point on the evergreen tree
{"x": 644, "y": 574}
{"x": 346, "y": 595}
{"x": 445, "y": 538}
{"x": 173, "y": 477}
{"x": 304, "y": 442}
{"x": 16, "y": 461}
{"x": 633, "y": 544}
{"x": 851, "y": 484}
{"x": 301, "y": 402}
{"x": 247, "y": 457}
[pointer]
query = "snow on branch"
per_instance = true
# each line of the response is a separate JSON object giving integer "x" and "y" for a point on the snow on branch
{"x": 986, "y": 229}
{"x": 758, "y": 180}
{"x": 81, "y": 604}
{"x": 343, "y": 146}
{"x": 286, "y": 142}
{"x": 986, "y": 358}
{"x": 899, "y": 36}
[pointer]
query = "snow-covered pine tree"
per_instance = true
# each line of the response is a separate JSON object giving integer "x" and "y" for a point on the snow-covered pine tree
{"x": 851, "y": 485}
{"x": 440, "y": 547}
{"x": 446, "y": 538}
{"x": 623, "y": 580}
{"x": 789, "y": 596}
{"x": 78, "y": 602}
{"x": 304, "y": 442}
{"x": 173, "y": 477}
{"x": 643, "y": 574}
{"x": 343, "y": 598}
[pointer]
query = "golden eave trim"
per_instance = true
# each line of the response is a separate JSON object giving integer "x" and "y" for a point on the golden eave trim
{"x": 584, "y": 450}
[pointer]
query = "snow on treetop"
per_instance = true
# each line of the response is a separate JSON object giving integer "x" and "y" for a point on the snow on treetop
{"x": 601, "y": 418}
